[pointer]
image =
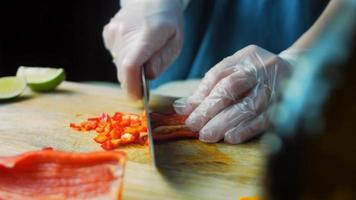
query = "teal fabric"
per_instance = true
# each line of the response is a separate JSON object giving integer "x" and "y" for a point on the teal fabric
{"x": 217, "y": 29}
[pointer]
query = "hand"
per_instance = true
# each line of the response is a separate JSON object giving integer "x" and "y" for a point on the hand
{"x": 144, "y": 33}
{"x": 233, "y": 97}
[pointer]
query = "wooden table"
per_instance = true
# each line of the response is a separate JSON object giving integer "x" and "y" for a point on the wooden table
{"x": 190, "y": 169}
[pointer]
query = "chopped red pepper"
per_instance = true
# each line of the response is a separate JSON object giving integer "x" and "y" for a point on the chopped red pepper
{"x": 49, "y": 174}
{"x": 117, "y": 130}
{"x": 101, "y": 138}
{"x": 124, "y": 128}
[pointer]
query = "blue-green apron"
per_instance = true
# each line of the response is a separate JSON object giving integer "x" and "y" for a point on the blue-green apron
{"x": 215, "y": 29}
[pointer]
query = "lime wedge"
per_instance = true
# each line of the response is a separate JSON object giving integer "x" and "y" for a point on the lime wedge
{"x": 11, "y": 87}
{"x": 40, "y": 78}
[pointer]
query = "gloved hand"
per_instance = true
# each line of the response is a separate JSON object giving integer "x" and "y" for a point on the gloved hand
{"x": 232, "y": 99}
{"x": 144, "y": 33}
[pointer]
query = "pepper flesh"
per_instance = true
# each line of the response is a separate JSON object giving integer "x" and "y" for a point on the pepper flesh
{"x": 250, "y": 198}
{"x": 49, "y": 174}
{"x": 116, "y": 130}
{"x": 171, "y": 126}
{"x": 125, "y": 128}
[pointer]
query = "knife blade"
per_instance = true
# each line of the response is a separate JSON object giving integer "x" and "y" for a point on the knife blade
{"x": 146, "y": 97}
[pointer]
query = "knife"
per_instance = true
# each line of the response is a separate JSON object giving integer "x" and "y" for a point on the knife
{"x": 146, "y": 97}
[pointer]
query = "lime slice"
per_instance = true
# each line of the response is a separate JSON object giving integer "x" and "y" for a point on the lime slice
{"x": 11, "y": 87}
{"x": 40, "y": 78}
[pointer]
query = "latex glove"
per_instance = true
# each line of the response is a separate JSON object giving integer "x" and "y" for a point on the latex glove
{"x": 232, "y": 99}
{"x": 144, "y": 33}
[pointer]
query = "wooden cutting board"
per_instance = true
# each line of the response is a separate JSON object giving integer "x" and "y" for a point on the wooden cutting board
{"x": 191, "y": 169}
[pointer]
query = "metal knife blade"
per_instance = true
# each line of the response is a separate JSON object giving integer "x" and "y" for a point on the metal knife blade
{"x": 146, "y": 96}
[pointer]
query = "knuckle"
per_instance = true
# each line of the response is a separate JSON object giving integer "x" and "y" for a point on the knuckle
{"x": 252, "y": 47}
{"x": 225, "y": 83}
{"x": 121, "y": 27}
{"x": 162, "y": 27}
{"x": 226, "y": 88}
{"x": 272, "y": 61}
{"x": 208, "y": 80}
{"x": 111, "y": 27}
{"x": 149, "y": 25}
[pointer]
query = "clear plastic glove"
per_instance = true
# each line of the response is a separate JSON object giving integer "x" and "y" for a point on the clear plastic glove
{"x": 144, "y": 33}
{"x": 233, "y": 97}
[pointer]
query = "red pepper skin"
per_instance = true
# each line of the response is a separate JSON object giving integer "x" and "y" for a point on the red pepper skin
{"x": 181, "y": 134}
{"x": 117, "y": 130}
{"x": 171, "y": 127}
{"x": 159, "y": 119}
{"x": 49, "y": 174}
{"x": 125, "y": 129}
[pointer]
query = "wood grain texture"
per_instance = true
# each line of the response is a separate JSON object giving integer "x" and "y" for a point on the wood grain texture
{"x": 190, "y": 169}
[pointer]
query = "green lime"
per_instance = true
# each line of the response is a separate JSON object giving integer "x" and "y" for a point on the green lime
{"x": 11, "y": 87}
{"x": 40, "y": 78}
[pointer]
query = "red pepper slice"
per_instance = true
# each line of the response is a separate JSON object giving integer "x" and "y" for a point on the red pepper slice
{"x": 159, "y": 119}
{"x": 173, "y": 132}
{"x": 171, "y": 127}
{"x": 49, "y": 174}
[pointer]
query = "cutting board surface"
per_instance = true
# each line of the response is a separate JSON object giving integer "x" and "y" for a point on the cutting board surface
{"x": 190, "y": 169}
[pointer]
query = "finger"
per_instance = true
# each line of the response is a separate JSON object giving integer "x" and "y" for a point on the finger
{"x": 248, "y": 130}
{"x": 221, "y": 70}
{"x": 184, "y": 106}
{"x": 132, "y": 53}
{"x": 211, "y": 78}
{"x": 225, "y": 93}
{"x": 129, "y": 71}
{"x": 249, "y": 108}
{"x": 129, "y": 65}
{"x": 180, "y": 105}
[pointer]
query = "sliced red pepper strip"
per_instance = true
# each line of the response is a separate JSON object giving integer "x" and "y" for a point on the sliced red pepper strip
{"x": 159, "y": 119}
{"x": 173, "y": 132}
{"x": 171, "y": 127}
{"x": 49, "y": 174}
{"x": 250, "y": 198}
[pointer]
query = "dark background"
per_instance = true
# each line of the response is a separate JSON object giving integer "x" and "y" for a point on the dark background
{"x": 66, "y": 33}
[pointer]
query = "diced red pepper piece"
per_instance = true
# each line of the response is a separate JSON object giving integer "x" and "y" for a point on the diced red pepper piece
{"x": 104, "y": 117}
{"x": 131, "y": 130}
{"x": 115, "y": 134}
{"x": 75, "y": 127}
{"x": 117, "y": 116}
{"x": 143, "y": 134}
{"x": 107, "y": 145}
{"x": 101, "y": 138}
{"x": 115, "y": 142}
{"x": 124, "y": 122}
{"x": 127, "y": 138}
